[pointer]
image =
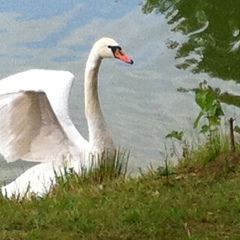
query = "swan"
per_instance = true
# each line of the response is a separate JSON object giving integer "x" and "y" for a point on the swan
{"x": 36, "y": 126}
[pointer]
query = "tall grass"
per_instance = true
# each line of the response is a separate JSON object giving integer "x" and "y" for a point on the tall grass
{"x": 106, "y": 169}
{"x": 200, "y": 201}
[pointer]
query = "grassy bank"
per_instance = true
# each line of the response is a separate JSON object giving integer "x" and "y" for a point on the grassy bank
{"x": 200, "y": 199}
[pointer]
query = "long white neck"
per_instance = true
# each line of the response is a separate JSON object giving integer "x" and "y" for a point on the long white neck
{"x": 99, "y": 137}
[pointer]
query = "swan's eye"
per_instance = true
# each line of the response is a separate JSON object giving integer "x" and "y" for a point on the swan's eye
{"x": 114, "y": 48}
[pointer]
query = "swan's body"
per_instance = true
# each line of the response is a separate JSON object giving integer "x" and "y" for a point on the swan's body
{"x": 35, "y": 124}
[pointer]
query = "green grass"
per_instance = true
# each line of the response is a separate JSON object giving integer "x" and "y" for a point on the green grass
{"x": 199, "y": 199}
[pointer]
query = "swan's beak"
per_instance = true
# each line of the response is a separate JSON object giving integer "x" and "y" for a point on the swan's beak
{"x": 122, "y": 56}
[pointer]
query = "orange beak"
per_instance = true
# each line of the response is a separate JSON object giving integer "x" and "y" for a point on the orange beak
{"x": 122, "y": 56}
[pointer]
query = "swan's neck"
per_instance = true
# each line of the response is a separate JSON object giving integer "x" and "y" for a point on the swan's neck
{"x": 99, "y": 137}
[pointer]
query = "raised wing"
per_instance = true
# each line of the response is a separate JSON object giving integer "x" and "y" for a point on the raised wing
{"x": 31, "y": 131}
{"x": 56, "y": 85}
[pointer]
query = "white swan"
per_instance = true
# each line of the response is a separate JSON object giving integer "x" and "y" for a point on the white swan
{"x": 35, "y": 124}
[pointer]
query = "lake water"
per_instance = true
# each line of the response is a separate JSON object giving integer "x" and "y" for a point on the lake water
{"x": 140, "y": 102}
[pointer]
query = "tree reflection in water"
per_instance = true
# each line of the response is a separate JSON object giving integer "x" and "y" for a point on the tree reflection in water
{"x": 213, "y": 36}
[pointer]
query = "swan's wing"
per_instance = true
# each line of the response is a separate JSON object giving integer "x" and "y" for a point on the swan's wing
{"x": 37, "y": 180}
{"x": 56, "y": 85}
{"x": 40, "y": 179}
{"x": 30, "y": 129}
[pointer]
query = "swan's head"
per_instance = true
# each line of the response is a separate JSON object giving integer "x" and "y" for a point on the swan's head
{"x": 109, "y": 48}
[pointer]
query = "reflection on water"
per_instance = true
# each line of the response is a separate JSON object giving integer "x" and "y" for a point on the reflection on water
{"x": 141, "y": 102}
{"x": 213, "y": 34}
{"x": 212, "y": 41}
